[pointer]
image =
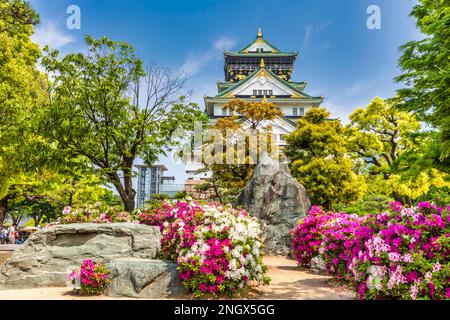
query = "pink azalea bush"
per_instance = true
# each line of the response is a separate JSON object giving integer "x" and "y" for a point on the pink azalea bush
{"x": 91, "y": 279}
{"x": 307, "y": 236}
{"x": 217, "y": 248}
{"x": 399, "y": 254}
{"x": 93, "y": 214}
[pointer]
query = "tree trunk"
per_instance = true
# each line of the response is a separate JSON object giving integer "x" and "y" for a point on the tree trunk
{"x": 129, "y": 204}
{"x": 128, "y": 182}
{"x": 3, "y": 210}
{"x": 126, "y": 192}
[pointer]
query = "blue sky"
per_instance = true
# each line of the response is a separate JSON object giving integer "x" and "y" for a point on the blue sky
{"x": 339, "y": 56}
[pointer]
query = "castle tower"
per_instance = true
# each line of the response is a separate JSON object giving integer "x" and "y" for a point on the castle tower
{"x": 260, "y": 71}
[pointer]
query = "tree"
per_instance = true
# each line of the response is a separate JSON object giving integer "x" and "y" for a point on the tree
{"x": 249, "y": 120}
{"x": 379, "y": 134}
{"x": 104, "y": 107}
{"x": 426, "y": 72}
{"x": 21, "y": 92}
{"x": 317, "y": 154}
{"x": 391, "y": 145}
{"x": 38, "y": 210}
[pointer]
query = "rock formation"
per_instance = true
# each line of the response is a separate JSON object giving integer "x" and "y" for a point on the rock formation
{"x": 43, "y": 260}
{"x": 278, "y": 200}
{"x": 143, "y": 278}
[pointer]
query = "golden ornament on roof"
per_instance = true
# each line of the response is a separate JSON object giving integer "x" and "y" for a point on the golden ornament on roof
{"x": 262, "y": 64}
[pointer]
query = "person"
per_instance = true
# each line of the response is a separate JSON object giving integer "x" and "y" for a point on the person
{"x": 17, "y": 237}
{"x": 3, "y": 235}
{"x": 12, "y": 234}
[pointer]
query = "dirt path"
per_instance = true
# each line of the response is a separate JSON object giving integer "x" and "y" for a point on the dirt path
{"x": 289, "y": 282}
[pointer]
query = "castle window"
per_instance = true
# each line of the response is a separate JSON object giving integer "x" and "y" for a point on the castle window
{"x": 260, "y": 92}
{"x": 255, "y": 92}
{"x": 301, "y": 112}
{"x": 298, "y": 112}
{"x": 270, "y": 92}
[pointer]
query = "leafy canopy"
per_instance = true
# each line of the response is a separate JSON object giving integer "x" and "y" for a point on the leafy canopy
{"x": 426, "y": 71}
{"x": 318, "y": 158}
{"x": 105, "y": 107}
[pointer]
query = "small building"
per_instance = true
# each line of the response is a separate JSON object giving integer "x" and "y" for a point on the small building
{"x": 151, "y": 181}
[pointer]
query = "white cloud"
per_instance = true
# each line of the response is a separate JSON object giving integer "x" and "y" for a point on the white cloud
{"x": 224, "y": 44}
{"x": 308, "y": 32}
{"x": 196, "y": 62}
{"x": 312, "y": 31}
{"x": 49, "y": 34}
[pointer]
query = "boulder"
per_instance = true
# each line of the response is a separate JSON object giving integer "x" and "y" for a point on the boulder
{"x": 318, "y": 266}
{"x": 277, "y": 200}
{"x": 44, "y": 259}
{"x": 143, "y": 278}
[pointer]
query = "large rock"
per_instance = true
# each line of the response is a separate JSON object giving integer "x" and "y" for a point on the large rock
{"x": 278, "y": 200}
{"x": 43, "y": 260}
{"x": 143, "y": 278}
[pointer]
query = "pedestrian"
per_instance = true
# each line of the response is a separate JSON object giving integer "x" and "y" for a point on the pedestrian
{"x": 3, "y": 235}
{"x": 12, "y": 234}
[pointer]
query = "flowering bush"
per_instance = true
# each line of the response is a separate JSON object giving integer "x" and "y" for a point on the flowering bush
{"x": 399, "y": 254}
{"x": 307, "y": 236}
{"x": 91, "y": 279}
{"x": 93, "y": 214}
{"x": 217, "y": 248}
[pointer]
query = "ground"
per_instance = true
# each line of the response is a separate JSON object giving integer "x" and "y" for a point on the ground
{"x": 289, "y": 282}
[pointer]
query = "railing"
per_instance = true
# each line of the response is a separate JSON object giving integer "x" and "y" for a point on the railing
{"x": 163, "y": 188}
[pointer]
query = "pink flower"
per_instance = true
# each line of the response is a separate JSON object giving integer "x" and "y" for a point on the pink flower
{"x": 202, "y": 287}
{"x": 437, "y": 267}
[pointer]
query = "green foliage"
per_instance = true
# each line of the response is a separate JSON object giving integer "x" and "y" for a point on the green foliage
{"x": 318, "y": 161}
{"x": 228, "y": 179}
{"x": 369, "y": 204}
{"x": 97, "y": 111}
{"x": 426, "y": 71}
{"x": 379, "y": 134}
{"x": 21, "y": 93}
{"x": 180, "y": 195}
{"x": 394, "y": 150}
{"x": 41, "y": 211}
{"x": 159, "y": 197}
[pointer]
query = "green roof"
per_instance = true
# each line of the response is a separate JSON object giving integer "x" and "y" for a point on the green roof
{"x": 308, "y": 100}
{"x": 261, "y": 54}
{"x": 293, "y": 87}
{"x": 221, "y": 86}
{"x": 254, "y": 41}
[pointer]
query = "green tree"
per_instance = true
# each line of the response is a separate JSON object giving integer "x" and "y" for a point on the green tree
{"x": 317, "y": 154}
{"x": 379, "y": 134}
{"x": 426, "y": 72}
{"x": 21, "y": 93}
{"x": 391, "y": 145}
{"x": 247, "y": 120}
{"x": 106, "y": 108}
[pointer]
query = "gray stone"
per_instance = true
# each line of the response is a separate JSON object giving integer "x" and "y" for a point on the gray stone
{"x": 143, "y": 278}
{"x": 318, "y": 265}
{"x": 43, "y": 260}
{"x": 277, "y": 200}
